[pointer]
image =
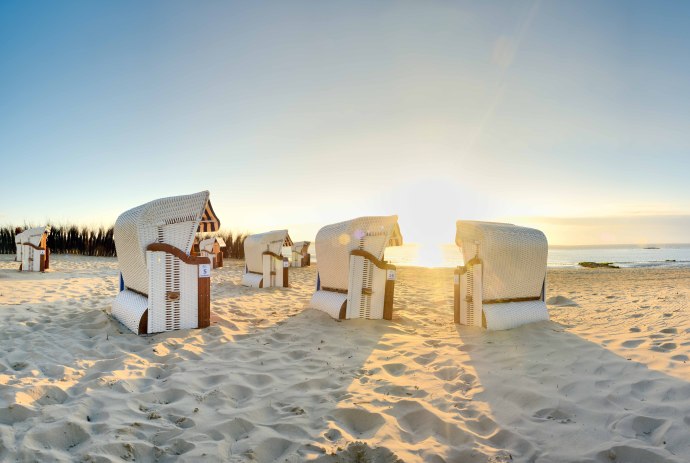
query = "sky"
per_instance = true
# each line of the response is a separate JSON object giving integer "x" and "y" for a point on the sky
{"x": 571, "y": 116}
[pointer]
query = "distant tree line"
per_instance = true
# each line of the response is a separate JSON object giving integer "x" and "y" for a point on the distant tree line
{"x": 87, "y": 241}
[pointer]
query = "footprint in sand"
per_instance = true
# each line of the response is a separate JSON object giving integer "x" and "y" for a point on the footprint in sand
{"x": 624, "y": 453}
{"x": 419, "y": 423}
{"x": 270, "y": 449}
{"x": 554, "y": 414}
{"x": 632, "y": 343}
{"x": 61, "y": 436}
{"x": 181, "y": 421}
{"x": 357, "y": 422}
{"x": 41, "y": 395}
{"x": 447, "y": 373}
{"x": 19, "y": 366}
{"x": 180, "y": 446}
{"x": 395, "y": 369}
{"x": 425, "y": 359}
{"x": 644, "y": 428}
{"x": 333, "y": 435}
{"x": 561, "y": 301}
{"x": 15, "y": 414}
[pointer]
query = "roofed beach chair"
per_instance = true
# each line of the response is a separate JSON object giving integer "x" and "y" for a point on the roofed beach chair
{"x": 163, "y": 287}
{"x": 32, "y": 249}
{"x": 18, "y": 244}
{"x": 501, "y": 285}
{"x": 353, "y": 279}
{"x": 300, "y": 254}
{"x": 265, "y": 265}
{"x": 213, "y": 249}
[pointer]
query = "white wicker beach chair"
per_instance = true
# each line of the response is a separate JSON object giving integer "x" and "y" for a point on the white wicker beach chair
{"x": 18, "y": 245}
{"x": 163, "y": 287}
{"x": 501, "y": 285}
{"x": 353, "y": 279}
{"x": 300, "y": 254}
{"x": 213, "y": 249}
{"x": 32, "y": 249}
{"x": 264, "y": 264}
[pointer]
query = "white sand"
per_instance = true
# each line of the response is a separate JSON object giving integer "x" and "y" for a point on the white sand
{"x": 606, "y": 381}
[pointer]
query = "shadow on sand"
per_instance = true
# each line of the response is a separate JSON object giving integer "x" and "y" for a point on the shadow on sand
{"x": 558, "y": 397}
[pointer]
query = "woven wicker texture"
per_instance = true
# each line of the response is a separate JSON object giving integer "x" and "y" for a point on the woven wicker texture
{"x": 18, "y": 245}
{"x": 366, "y": 289}
{"x": 31, "y": 259}
{"x": 513, "y": 258}
{"x": 27, "y": 255}
{"x": 513, "y": 314}
{"x": 207, "y": 244}
{"x": 168, "y": 274}
{"x": 301, "y": 247}
{"x": 328, "y": 301}
{"x": 173, "y": 221}
{"x": 252, "y": 280}
{"x": 335, "y": 242}
{"x": 209, "y": 221}
{"x": 128, "y": 307}
{"x": 256, "y": 245}
{"x": 35, "y": 236}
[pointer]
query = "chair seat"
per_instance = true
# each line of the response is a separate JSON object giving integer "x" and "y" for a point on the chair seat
{"x": 128, "y": 307}
{"x": 328, "y": 301}
{"x": 253, "y": 280}
{"x": 513, "y": 314}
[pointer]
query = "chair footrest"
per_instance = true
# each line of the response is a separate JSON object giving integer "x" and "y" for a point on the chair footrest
{"x": 330, "y": 302}
{"x": 512, "y": 314}
{"x": 253, "y": 280}
{"x": 128, "y": 308}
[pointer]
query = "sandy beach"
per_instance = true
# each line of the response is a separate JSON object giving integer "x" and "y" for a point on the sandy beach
{"x": 606, "y": 380}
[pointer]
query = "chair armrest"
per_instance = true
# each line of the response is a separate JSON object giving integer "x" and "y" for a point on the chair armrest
{"x": 167, "y": 248}
{"x": 383, "y": 265}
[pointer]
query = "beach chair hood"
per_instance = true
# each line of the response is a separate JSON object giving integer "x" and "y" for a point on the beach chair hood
{"x": 207, "y": 244}
{"x": 256, "y": 245}
{"x": 335, "y": 242}
{"x": 502, "y": 283}
{"x": 174, "y": 220}
{"x": 301, "y": 247}
{"x": 33, "y": 235}
{"x": 513, "y": 257}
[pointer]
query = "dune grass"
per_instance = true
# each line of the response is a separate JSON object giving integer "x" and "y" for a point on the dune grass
{"x": 90, "y": 241}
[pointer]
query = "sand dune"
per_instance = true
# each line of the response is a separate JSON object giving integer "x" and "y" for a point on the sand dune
{"x": 606, "y": 380}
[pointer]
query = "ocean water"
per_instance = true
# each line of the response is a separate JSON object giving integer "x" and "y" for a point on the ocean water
{"x": 667, "y": 255}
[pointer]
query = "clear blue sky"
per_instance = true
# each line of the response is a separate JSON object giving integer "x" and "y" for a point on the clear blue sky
{"x": 298, "y": 114}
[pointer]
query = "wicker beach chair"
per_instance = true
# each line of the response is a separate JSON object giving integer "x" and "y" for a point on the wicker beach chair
{"x": 18, "y": 244}
{"x": 265, "y": 266}
{"x": 300, "y": 254}
{"x": 163, "y": 287}
{"x": 501, "y": 285}
{"x": 213, "y": 249}
{"x": 353, "y": 279}
{"x": 32, "y": 249}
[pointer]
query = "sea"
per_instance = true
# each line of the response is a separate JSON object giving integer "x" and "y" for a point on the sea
{"x": 624, "y": 256}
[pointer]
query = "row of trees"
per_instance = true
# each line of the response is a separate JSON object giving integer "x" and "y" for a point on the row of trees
{"x": 99, "y": 242}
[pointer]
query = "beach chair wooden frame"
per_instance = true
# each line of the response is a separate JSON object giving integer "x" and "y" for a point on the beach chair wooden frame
{"x": 502, "y": 283}
{"x": 265, "y": 267}
{"x": 300, "y": 254}
{"x": 32, "y": 249}
{"x": 213, "y": 249}
{"x": 354, "y": 280}
{"x": 162, "y": 286}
